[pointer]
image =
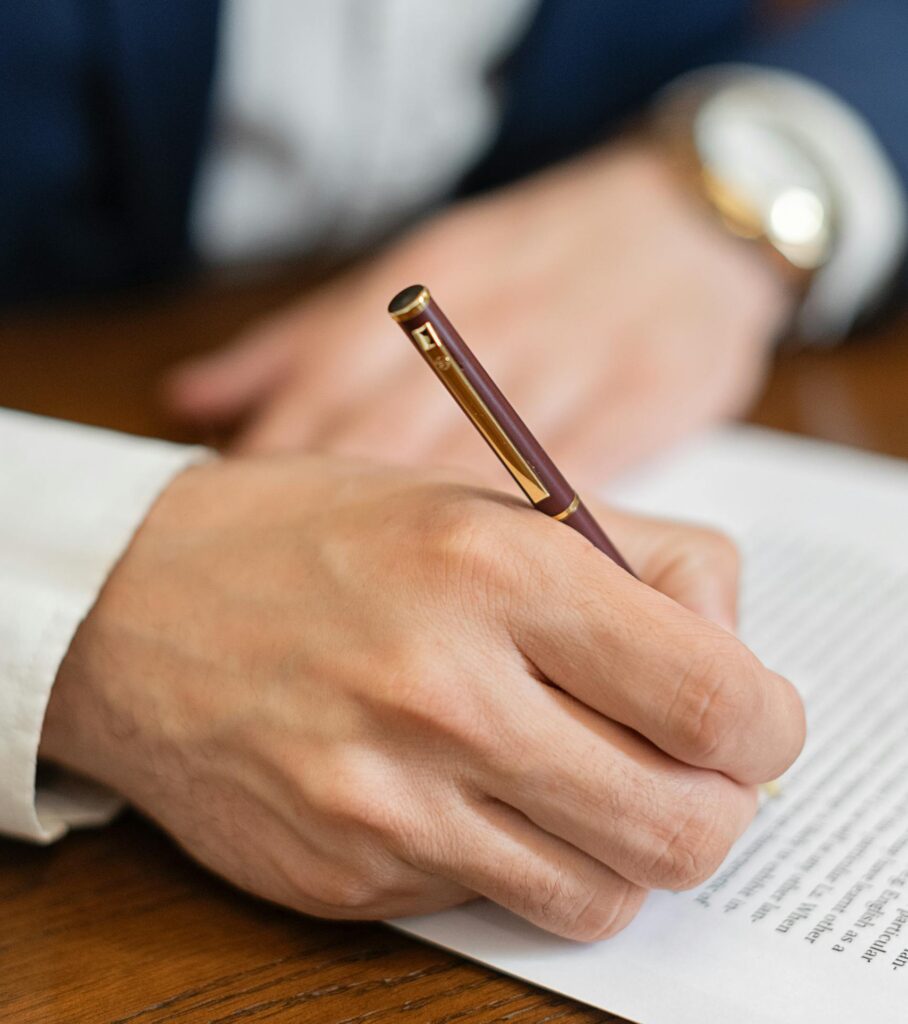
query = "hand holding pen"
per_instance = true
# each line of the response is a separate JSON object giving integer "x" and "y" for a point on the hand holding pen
{"x": 378, "y": 691}
{"x": 504, "y": 431}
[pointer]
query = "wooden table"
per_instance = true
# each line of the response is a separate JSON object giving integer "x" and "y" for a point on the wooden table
{"x": 117, "y": 925}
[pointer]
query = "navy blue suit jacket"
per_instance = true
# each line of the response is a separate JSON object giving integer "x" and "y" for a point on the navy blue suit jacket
{"x": 103, "y": 108}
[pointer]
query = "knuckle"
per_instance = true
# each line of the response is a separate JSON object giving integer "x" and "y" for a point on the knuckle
{"x": 407, "y": 686}
{"x": 373, "y": 891}
{"x": 586, "y": 914}
{"x": 604, "y": 915}
{"x": 692, "y": 843}
{"x": 585, "y": 919}
{"x": 712, "y": 696}
{"x": 348, "y": 894}
{"x": 356, "y": 792}
{"x": 437, "y": 705}
{"x": 576, "y": 908}
{"x": 333, "y": 889}
{"x": 558, "y": 902}
{"x": 621, "y": 907}
{"x": 463, "y": 541}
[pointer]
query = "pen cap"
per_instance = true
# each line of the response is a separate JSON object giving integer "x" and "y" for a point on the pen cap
{"x": 409, "y": 302}
{"x": 456, "y": 366}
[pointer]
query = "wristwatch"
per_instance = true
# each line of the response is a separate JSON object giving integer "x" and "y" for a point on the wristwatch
{"x": 761, "y": 180}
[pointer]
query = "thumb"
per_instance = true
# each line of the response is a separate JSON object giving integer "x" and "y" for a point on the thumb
{"x": 697, "y": 567}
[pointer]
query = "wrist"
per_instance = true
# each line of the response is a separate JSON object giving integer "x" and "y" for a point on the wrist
{"x": 740, "y": 271}
{"x": 89, "y": 726}
{"x": 76, "y": 729}
{"x": 788, "y": 163}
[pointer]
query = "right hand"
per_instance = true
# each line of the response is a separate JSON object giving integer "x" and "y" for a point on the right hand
{"x": 365, "y": 693}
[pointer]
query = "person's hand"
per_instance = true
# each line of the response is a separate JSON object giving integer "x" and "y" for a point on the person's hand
{"x": 611, "y": 310}
{"x": 366, "y": 693}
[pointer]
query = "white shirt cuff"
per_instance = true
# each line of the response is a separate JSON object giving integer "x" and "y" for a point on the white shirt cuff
{"x": 71, "y": 498}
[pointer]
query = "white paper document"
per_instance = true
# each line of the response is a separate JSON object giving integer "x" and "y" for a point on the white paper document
{"x": 806, "y": 922}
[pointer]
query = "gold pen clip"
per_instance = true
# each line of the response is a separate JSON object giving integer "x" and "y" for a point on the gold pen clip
{"x": 452, "y": 376}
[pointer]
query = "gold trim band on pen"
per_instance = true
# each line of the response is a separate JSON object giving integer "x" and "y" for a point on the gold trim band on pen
{"x": 570, "y": 510}
{"x": 413, "y": 308}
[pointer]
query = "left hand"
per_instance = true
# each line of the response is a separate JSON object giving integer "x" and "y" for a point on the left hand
{"x": 612, "y": 311}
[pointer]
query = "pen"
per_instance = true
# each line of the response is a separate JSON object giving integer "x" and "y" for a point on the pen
{"x": 435, "y": 338}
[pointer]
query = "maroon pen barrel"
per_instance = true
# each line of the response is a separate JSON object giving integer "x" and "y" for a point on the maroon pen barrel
{"x": 583, "y": 522}
{"x": 442, "y": 347}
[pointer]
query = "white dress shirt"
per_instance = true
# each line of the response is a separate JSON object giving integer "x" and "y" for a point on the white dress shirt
{"x": 314, "y": 144}
{"x": 71, "y": 498}
{"x": 337, "y": 119}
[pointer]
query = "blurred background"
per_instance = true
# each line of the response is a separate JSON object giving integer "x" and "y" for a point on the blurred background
{"x": 645, "y": 218}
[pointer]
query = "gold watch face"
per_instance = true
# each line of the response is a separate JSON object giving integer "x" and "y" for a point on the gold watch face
{"x": 763, "y": 183}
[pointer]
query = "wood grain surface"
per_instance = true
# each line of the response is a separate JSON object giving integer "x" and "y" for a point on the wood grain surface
{"x": 117, "y": 926}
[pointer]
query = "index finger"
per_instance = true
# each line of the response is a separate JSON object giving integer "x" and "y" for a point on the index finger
{"x": 637, "y": 657}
